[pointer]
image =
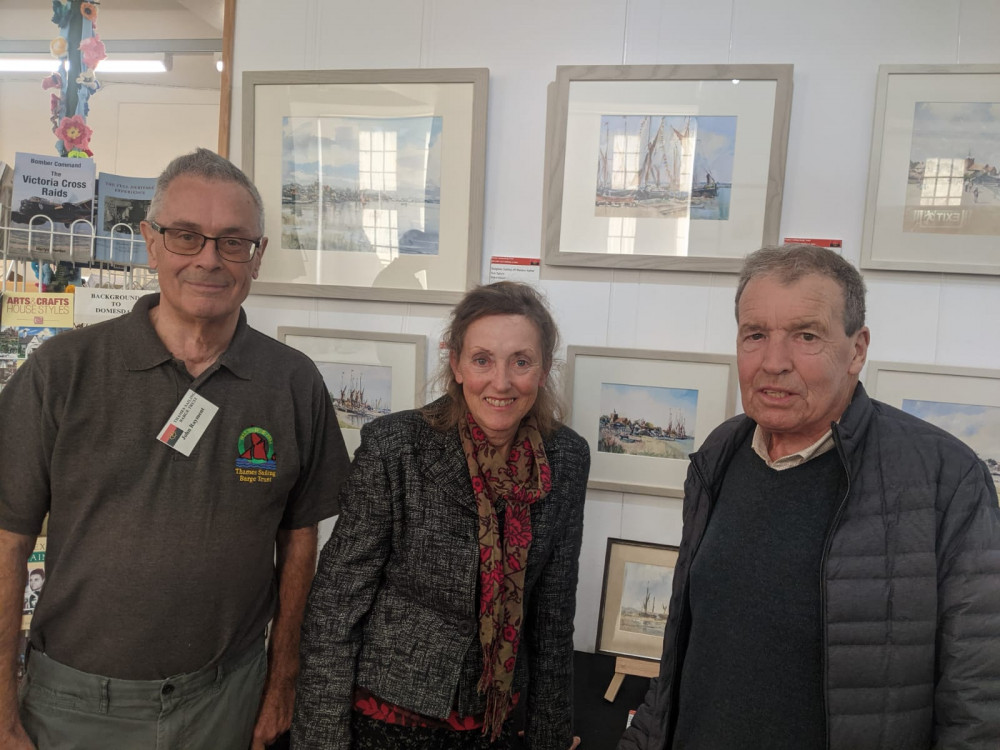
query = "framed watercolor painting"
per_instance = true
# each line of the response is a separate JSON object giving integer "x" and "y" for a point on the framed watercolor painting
{"x": 644, "y": 412}
{"x": 933, "y": 201}
{"x": 676, "y": 167}
{"x": 367, "y": 374}
{"x": 964, "y": 401}
{"x": 635, "y": 598}
{"x": 372, "y": 180}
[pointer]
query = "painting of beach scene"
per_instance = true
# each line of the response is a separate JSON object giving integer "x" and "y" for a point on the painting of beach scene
{"x": 977, "y": 426}
{"x": 641, "y": 420}
{"x": 360, "y": 393}
{"x": 665, "y": 166}
{"x": 953, "y": 184}
{"x": 645, "y": 598}
{"x": 361, "y": 184}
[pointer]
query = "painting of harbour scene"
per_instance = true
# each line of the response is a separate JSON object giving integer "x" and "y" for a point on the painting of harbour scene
{"x": 366, "y": 185}
{"x": 641, "y": 420}
{"x": 953, "y": 185}
{"x": 976, "y": 426}
{"x": 665, "y": 166}
{"x": 645, "y": 598}
{"x": 360, "y": 393}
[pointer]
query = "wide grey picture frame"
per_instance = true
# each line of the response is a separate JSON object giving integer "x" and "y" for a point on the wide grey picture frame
{"x": 403, "y": 354}
{"x": 457, "y": 95}
{"x": 761, "y": 96}
{"x": 592, "y": 373}
{"x": 964, "y": 401}
{"x": 917, "y": 107}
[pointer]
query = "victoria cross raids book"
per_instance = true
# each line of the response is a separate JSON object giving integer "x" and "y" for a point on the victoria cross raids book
{"x": 50, "y": 195}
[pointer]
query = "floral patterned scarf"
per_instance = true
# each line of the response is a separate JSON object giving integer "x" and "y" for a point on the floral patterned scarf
{"x": 521, "y": 478}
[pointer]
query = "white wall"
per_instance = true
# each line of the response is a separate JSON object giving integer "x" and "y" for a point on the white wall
{"x": 836, "y": 49}
{"x": 135, "y": 126}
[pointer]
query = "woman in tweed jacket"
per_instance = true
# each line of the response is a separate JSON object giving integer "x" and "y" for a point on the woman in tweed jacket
{"x": 446, "y": 594}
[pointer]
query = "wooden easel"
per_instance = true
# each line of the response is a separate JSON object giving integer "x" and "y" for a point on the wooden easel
{"x": 625, "y": 665}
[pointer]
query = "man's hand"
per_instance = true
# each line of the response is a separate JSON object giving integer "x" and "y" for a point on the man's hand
{"x": 14, "y": 551}
{"x": 274, "y": 717}
{"x": 295, "y": 564}
{"x": 15, "y": 738}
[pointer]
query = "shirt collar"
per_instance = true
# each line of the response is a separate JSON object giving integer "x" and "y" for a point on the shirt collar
{"x": 761, "y": 438}
{"x": 142, "y": 348}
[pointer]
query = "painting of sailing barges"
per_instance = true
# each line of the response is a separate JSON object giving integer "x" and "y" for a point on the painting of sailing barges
{"x": 665, "y": 166}
{"x": 953, "y": 184}
{"x": 361, "y": 184}
{"x": 976, "y": 426}
{"x": 645, "y": 598}
{"x": 360, "y": 393}
{"x": 642, "y": 420}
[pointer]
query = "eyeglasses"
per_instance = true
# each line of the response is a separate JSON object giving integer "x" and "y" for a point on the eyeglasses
{"x": 187, "y": 242}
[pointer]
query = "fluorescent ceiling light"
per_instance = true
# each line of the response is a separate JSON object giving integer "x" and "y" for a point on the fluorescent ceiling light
{"x": 136, "y": 63}
{"x": 155, "y": 64}
{"x": 29, "y": 64}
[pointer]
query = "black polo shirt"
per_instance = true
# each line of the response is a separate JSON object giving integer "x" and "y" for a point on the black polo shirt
{"x": 160, "y": 563}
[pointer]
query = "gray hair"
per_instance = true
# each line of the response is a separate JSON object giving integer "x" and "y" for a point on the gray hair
{"x": 789, "y": 263}
{"x": 210, "y": 166}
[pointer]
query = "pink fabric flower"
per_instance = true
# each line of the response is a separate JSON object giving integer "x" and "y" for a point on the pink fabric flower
{"x": 74, "y": 133}
{"x": 51, "y": 82}
{"x": 92, "y": 51}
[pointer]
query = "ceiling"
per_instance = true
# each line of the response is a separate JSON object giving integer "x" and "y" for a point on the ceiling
{"x": 119, "y": 19}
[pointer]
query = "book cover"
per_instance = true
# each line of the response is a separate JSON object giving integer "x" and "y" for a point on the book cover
{"x": 94, "y": 305}
{"x": 36, "y": 582}
{"x": 49, "y": 194}
{"x": 32, "y": 590}
{"x": 27, "y": 319}
{"x": 122, "y": 203}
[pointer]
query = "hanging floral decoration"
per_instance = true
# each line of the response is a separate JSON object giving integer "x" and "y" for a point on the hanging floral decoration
{"x": 58, "y": 47}
{"x": 92, "y": 51}
{"x": 76, "y": 78}
{"x": 74, "y": 133}
{"x": 69, "y": 104}
{"x": 60, "y": 10}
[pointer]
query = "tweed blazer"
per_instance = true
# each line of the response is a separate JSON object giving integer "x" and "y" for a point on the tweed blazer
{"x": 393, "y": 607}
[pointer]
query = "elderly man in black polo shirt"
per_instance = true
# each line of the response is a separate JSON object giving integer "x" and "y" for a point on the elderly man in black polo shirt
{"x": 838, "y": 583}
{"x": 178, "y": 445}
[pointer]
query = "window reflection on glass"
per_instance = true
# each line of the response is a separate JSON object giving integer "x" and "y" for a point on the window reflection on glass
{"x": 382, "y": 230}
{"x": 942, "y": 182}
{"x": 625, "y": 161}
{"x": 621, "y": 235}
{"x": 377, "y": 160}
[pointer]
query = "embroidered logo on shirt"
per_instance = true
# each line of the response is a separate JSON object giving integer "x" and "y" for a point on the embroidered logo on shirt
{"x": 255, "y": 460}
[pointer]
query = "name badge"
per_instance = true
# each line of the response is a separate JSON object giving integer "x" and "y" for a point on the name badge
{"x": 188, "y": 423}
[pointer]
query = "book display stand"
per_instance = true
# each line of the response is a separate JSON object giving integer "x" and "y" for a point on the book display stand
{"x": 86, "y": 248}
